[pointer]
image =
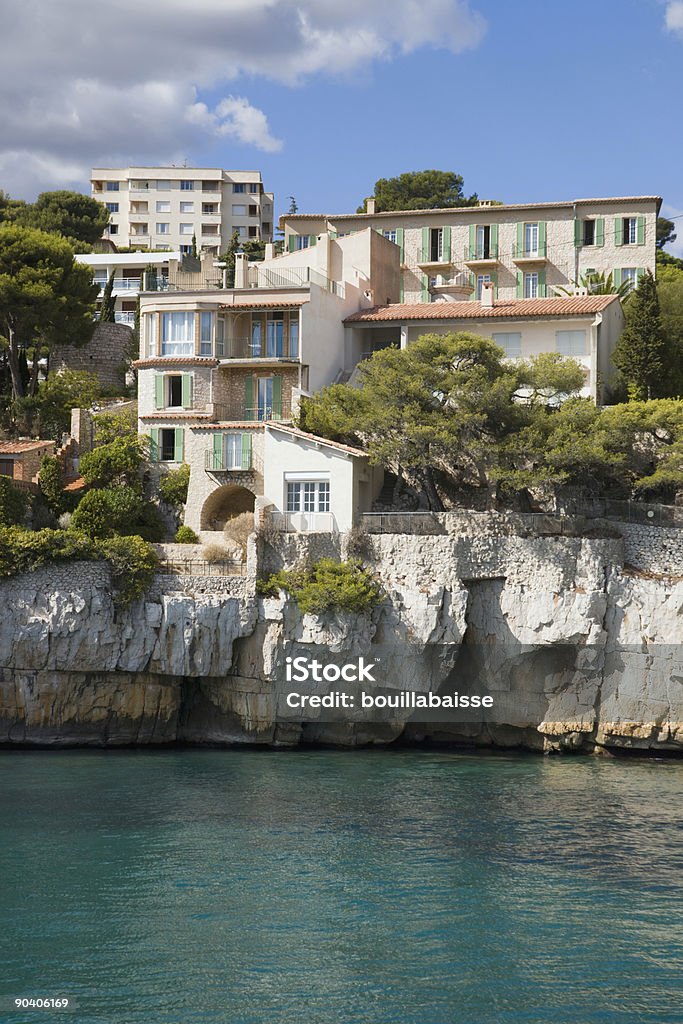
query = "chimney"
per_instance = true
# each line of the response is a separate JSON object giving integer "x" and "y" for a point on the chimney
{"x": 241, "y": 270}
{"x": 270, "y": 251}
{"x": 487, "y": 295}
{"x": 370, "y": 205}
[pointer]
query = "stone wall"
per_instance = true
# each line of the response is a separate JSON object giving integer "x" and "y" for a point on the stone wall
{"x": 656, "y": 549}
{"x": 104, "y": 355}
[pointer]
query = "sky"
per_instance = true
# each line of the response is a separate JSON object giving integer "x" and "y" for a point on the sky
{"x": 530, "y": 101}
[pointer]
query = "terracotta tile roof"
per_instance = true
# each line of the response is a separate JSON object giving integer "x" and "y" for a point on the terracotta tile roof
{"x": 175, "y": 361}
{"x": 17, "y": 447}
{"x": 176, "y": 415}
{"x": 266, "y": 304}
{"x": 524, "y": 308}
{"x": 318, "y": 440}
{"x": 76, "y": 485}
{"x": 233, "y": 425}
{"x": 463, "y": 210}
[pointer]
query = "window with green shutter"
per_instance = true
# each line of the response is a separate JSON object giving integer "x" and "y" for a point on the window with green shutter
{"x": 291, "y": 243}
{"x": 640, "y": 231}
{"x": 400, "y": 242}
{"x": 541, "y": 289}
{"x": 159, "y": 391}
{"x": 493, "y": 241}
{"x": 618, "y": 230}
{"x": 179, "y": 443}
{"x": 578, "y": 233}
{"x": 447, "y": 243}
{"x": 277, "y": 397}
{"x": 424, "y": 295}
{"x": 249, "y": 410}
{"x": 600, "y": 231}
{"x": 187, "y": 391}
{"x": 520, "y": 284}
{"x": 542, "y": 238}
{"x": 218, "y": 451}
{"x": 472, "y": 242}
{"x": 246, "y": 450}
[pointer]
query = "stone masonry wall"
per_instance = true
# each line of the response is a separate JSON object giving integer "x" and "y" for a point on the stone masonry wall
{"x": 104, "y": 355}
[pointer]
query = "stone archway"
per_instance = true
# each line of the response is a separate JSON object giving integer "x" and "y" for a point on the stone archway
{"x": 224, "y": 503}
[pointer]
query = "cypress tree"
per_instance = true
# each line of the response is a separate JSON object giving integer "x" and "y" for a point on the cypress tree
{"x": 641, "y": 352}
{"x": 108, "y": 302}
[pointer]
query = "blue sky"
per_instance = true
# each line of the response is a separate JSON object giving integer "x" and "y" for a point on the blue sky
{"x": 529, "y": 101}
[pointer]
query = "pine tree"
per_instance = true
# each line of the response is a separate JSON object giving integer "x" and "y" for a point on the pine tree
{"x": 107, "y": 309}
{"x": 641, "y": 352}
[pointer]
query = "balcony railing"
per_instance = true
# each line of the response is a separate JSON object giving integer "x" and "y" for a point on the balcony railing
{"x": 303, "y": 522}
{"x": 479, "y": 253}
{"x": 125, "y": 317}
{"x": 292, "y": 277}
{"x": 121, "y": 284}
{"x": 239, "y": 412}
{"x": 461, "y": 279}
{"x": 427, "y": 256}
{"x": 245, "y": 348}
{"x": 530, "y": 252}
{"x": 227, "y": 462}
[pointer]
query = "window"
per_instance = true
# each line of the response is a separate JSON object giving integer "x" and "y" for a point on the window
{"x": 239, "y": 210}
{"x": 186, "y": 207}
{"x": 174, "y": 390}
{"x": 112, "y": 186}
{"x": 163, "y": 186}
{"x": 185, "y": 250}
{"x": 308, "y": 496}
{"x": 253, "y": 232}
{"x": 511, "y": 342}
{"x": 112, "y": 207}
{"x": 531, "y": 239}
{"x": 163, "y": 228}
{"x": 302, "y": 242}
{"x": 253, "y": 210}
{"x": 294, "y": 338}
{"x": 177, "y": 334}
{"x": 531, "y": 285}
{"x": 205, "y": 334}
{"x": 630, "y": 231}
{"x": 255, "y": 186}
{"x": 220, "y": 336}
{"x": 186, "y": 229}
{"x": 483, "y": 242}
{"x": 481, "y": 280}
{"x": 571, "y": 343}
{"x": 589, "y": 232}
{"x": 209, "y": 208}
{"x": 239, "y": 187}
{"x": 7, "y": 467}
{"x": 167, "y": 445}
{"x": 435, "y": 254}
{"x": 265, "y": 398}
{"x": 241, "y": 232}
{"x": 186, "y": 186}
{"x": 113, "y": 229}
{"x": 100, "y": 278}
{"x": 275, "y": 334}
{"x": 232, "y": 451}
{"x": 163, "y": 206}
{"x": 629, "y": 275}
{"x": 391, "y": 235}
{"x": 151, "y": 325}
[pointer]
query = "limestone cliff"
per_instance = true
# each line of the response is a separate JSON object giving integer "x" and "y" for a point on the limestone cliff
{"x": 578, "y": 653}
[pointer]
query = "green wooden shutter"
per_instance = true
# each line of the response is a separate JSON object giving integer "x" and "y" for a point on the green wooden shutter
{"x": 600, "y": 231}
{"x": 400, "y": 242}
{"x": 425, "y": 288}
{"x": 187, "y": 391}
{"x": 493, "y": 240}
{"x": 447, "y": 243}
{"x": 542, "y": 236}
{"x": 520, "y": 284}
{"x": 277, "y": 397}
{"x": 178, "y": 444}
{"x": 472, "y": 254}
{"x": 246, "y": 451}
{"x": 618, "y": 230}
{"x": 541, "y": 284}
{"x": 578, "y": 233}
{"x": 424, "y": 255}
{"x": 217, "y": 450}
{"x": 520, "y": 239}
{"x": 154, "y": 444}
{"x": 640, "y": 231}
{"x": 312, "y": 239}
{"x": 616, "y": 277}
{"x": 249, "y": 389}
{"x": 639, "y": 273}
{"x": 159, "y": 391}
{"x": 291, "y": 243}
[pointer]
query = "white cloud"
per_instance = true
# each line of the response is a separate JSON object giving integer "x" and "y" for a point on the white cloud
{"x": 86, "y": 84}
{"x": 674, "y": 16}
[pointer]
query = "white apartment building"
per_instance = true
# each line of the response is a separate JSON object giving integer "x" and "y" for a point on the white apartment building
{"x": 165, "y": 207}
{"x": 525, "y": 251}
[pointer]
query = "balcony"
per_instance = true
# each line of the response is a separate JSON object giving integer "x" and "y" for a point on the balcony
{"x": 121, "y": 284}
{"x": 481, "y": 255}
{"x": 125, "y": 316}
{"x": 523, "y": 254}
{"x": 303, "y": 522}
{"x": 431, "y": 260}
{"x": 228, "y": 462}
{"x": 238, "y": 412}
{"x": 245, "y": 348}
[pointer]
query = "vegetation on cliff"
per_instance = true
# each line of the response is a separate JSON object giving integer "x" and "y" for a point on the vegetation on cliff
{"x": 326, "y": 586}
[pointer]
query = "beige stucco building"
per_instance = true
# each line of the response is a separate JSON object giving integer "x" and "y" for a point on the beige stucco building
{"x": 524, "y": 250}
{"x": 164, "y": 207}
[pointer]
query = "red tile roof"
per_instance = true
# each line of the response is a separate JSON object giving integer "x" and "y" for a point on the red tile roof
{"x": 266, "y": 304}
{"x": 513, "y": 308}
{"x": 176, "y": 361}
{"x": 17, "y": 447}
{"x": 233, "y": 425}
{"x": 318, "y": 440}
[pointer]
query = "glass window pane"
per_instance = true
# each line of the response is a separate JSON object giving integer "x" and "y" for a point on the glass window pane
{"x": 293, "y": 497}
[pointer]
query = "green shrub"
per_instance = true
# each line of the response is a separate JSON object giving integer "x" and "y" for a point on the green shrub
{"x": 117, "y": 510}
{"x": 132, "y": 560}
{"x": 327, "y": 586}
{"x": 13, "y": 503}
{"x": 173, "y": 486}
{"x": 112, "y": 425}
{"x": 117, "y": 462}
{"x": 186, "y": 535}
{"x": 51, "y": 482}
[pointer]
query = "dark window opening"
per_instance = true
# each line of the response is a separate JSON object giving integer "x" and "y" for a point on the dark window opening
{"x": 175, "y": 390}
{"x": 589, "y": 232}
{"x": 167, "y": 438}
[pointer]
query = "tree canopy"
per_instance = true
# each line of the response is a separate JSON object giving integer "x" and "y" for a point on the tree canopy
{"x": 643, "y": 352}
{"x": 76, "y": 217}
{"x": 420, "y": 190}
{"x": 666, "y": 232}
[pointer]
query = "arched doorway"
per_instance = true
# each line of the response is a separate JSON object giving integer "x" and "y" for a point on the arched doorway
{"x": 224, "y": 503}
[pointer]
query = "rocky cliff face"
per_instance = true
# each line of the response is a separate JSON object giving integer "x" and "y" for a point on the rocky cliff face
{"x": 578, "y": 654}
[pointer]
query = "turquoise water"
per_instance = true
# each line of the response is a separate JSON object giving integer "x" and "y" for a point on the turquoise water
{"x": 368, "y": 887}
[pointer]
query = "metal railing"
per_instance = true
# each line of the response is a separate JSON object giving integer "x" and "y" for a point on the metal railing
{"x": 649, "y": 514}
{"x": 529, "y": 252}
{"x": 121, "y": 284}
{"x": 245, "y": 348}
{"x": 226, "y": 462}
{"x": 462, "y": 279}
{"x": 125, "y": 316}
{"x": 200, "y": 567}
{"x": 292, "y": 277}
{"x": 426, "y": 256}
{"x": 239, "y": 412}
{"x": 480, "y": 252}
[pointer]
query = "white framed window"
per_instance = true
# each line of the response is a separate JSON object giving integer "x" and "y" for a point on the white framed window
{"x": 113, "y": 229}
{"x": 185, "y": 250}
{"x": 163, "y": 186}
{"x": 209, "y": 208}
{"x": 112, "y": 186}
{"x": 531, "y": 285}
{"x": 232, "y": 451}
{"x": 531, "y": 239}
{"x": 303, "y": 241}
{"x": 571, "y": 343}
{"x": 241, "y": 231}
{"x": 112, "y": 207}
{"x": 186, "y": 186}
{"x": 482, "y": 279}
{"x": 186, "y": 207}
{"x": 308, "y": 496}
{"x": 177, "y": 334}
{"x": 206, "y": 334}
{"x": 510, "y": 342}
{"x": 630, "y": 275}
{"x": 239, "y": 187}
{"x": 151, "y": 330}
{"x": 163, "y": 228}
{"x": 239, "y": 210}
{"x": 630, "y": 230}
{"x": 163, "y": 205}
{"x": 254, "y": 186}
{"x": 186, "y": 229}
{"x": 390, "y": 234}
